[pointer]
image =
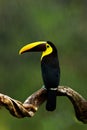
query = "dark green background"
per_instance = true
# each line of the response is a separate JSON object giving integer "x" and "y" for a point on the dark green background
{"x": 64, "y": 22}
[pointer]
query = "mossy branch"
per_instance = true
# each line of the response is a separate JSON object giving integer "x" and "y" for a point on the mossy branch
{"x": 33, "y": 102}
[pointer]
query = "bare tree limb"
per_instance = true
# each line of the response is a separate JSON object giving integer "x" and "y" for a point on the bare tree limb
{"x": 79, "y": 103}
{"x": 33, "y": 102}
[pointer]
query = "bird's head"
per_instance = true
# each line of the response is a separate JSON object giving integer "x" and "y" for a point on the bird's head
{"x": 46, "y": 47}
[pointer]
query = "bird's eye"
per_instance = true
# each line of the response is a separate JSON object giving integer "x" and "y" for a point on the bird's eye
{"x": 48, "y": 46}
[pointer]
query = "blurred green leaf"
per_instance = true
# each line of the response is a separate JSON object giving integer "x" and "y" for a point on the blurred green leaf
{"x": 65, "y": 24}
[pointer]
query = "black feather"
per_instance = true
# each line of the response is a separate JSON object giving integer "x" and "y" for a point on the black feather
{"x": 51, "y": 76}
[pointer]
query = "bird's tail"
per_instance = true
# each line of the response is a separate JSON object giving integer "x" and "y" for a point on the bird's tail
{"x": 51, "y": 100}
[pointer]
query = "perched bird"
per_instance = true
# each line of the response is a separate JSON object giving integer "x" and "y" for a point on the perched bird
{"x": 50, "y": 68}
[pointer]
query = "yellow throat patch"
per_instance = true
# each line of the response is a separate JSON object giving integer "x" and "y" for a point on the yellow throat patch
{"x": 48, "y": 51}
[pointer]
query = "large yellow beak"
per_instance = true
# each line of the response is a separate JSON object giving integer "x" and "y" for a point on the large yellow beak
{"x": 34, "y": 47}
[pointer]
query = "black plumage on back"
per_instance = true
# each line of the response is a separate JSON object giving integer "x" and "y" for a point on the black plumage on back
{"x": 51, "y": 76}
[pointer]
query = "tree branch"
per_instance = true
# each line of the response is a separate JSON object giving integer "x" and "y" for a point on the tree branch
{"x": 33, "y": 102}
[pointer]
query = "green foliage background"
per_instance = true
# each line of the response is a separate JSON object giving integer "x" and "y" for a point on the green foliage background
{"x": 64, "y": 22}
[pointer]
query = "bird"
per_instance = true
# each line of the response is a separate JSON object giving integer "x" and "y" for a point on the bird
{"x": 49, "y": 66}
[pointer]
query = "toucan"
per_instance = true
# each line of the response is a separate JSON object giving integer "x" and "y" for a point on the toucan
{"x": 50, "y": 68}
